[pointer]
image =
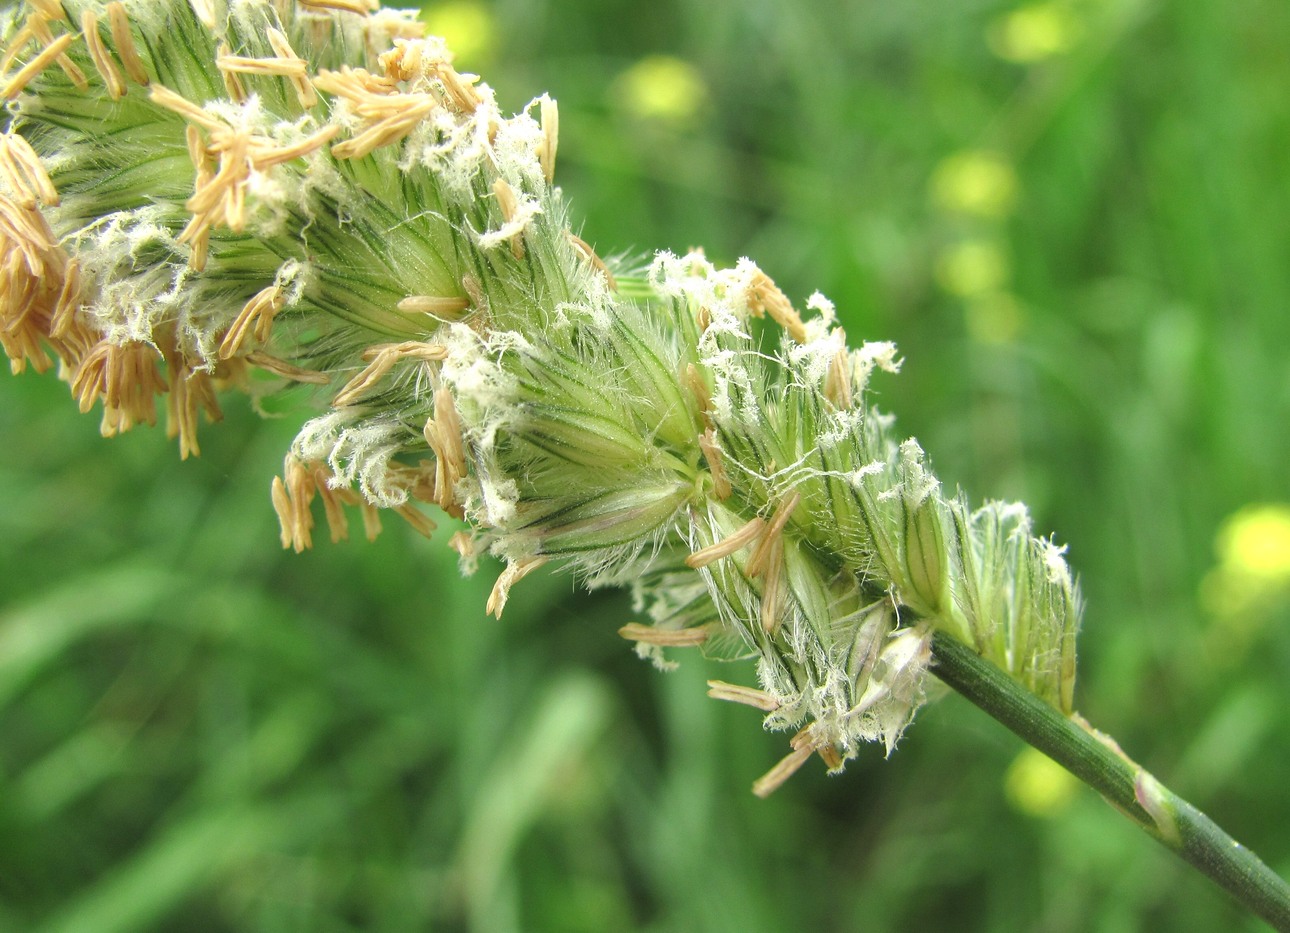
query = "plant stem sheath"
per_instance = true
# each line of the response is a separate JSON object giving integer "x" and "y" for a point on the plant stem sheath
{"x": 1097, "y": 761}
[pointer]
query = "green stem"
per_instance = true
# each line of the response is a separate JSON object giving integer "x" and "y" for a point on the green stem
{"x": 1098, "y": 761}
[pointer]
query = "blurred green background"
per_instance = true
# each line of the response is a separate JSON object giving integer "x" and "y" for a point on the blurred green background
{"x": 1072, "y": 218}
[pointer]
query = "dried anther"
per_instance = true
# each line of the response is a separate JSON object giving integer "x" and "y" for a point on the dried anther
{"x": 190, "y": 391}
{"x": 516, "y": 570}
{"x": 765, "y": 297}
{"x": 360, "y": 7}
{"x": 445, "y": 306}
{"x": 509, "y": 202}
{"x": 418, "y": 520}
{"x": 837, "y": 384}
{"x": 727, "y": 546}
{"x": 292, "y": 500}
{"x": 712, "y": 455}
{"x": 664, "y": 638}
{"x": 443, "y": 434}
{"x": 596, "y": 262}
{"x": 693, "y": 380}
{"x": 748, "y": 696}
{"x": 549, "y": 113}
{"x": 124, "y": 42}
{"x": 388, "y": 115}
{"x": 103, "y": 62}
{"x": 126, "y": 378}
{"x": 278, "y": 66}
{"x": 232, "y": 79}
{"x": 381, "y": 360}
{"x": 284, "y": 369}
{"x": 23, "y": 173}
{"x": 47, "y": 57}
{"x": 760, "y": 559}
{"x": 219, "y": 197}
{"x": 787, "y": 766}
{"x": 256, "y": 317}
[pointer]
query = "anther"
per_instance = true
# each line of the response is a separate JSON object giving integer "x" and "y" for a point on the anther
{"x": 773, "y": 779}
{"x": 516, "y": 570}
{"x": 124, "y": 42}
{"x": 282, "y": 48}
{"x": 766, "y": 297}
{"x": 48, "y": 56}
{"x": 509, "y": 202}
{"x": 727, "y": 546}
{"x": 447, "y": 306}
{"x": 693, "y": 380}
{"x": 590, "y": 254}
{"x": 664, "y": 638}
{"x": 284, "y": 369}
{"x": 549, "y": 113}
{"x": 712, "y": 454}
{"x": 103, "y": 63}
{"x": 837, "y": 384}
{"x": 759, "y": 560}
{"x": 255, "y": 317}
{"x": 748, "y": 696}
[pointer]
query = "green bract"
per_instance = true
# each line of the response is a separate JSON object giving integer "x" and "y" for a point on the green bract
{"x": 308, "y": 200}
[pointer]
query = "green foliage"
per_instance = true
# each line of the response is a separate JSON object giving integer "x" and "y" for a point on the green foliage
{"x": 204, "y": 732}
